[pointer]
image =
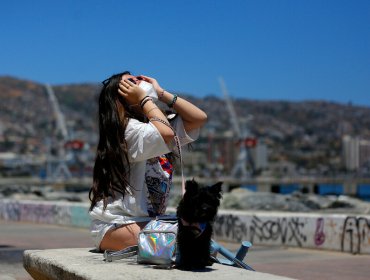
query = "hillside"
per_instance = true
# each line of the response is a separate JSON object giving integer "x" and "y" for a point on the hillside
{"x": 307, "y": 133}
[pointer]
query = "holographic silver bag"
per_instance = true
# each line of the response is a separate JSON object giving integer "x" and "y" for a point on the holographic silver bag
{"x": 157, "y": 242}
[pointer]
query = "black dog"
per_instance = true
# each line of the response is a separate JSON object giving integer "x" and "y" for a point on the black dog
{"x": 196, "y": 213}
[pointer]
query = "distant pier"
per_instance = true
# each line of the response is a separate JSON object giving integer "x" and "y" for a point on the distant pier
{"x": 318, "y": 185}
{"x": 359, "y": 187}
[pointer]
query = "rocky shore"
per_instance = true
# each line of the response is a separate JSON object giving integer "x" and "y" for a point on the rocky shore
{"x": 43, "y": 193}
{"x": 237, "y": 199}
{"x": 243, "y": 199}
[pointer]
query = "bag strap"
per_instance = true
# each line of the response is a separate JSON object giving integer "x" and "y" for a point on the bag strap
{"x": 178, "y": 145}
{"x": 111, "y": 255}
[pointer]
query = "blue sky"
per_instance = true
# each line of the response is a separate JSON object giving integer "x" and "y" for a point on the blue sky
{"x": 265, "y": 50}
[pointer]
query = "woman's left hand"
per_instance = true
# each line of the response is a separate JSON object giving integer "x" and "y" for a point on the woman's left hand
{"x": 154, "y": 82}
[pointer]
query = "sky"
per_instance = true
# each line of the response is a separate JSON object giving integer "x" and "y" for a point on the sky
{"x": 290, "y": 50}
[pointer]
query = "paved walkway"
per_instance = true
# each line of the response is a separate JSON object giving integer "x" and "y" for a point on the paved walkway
{"x": 295, "y": 263}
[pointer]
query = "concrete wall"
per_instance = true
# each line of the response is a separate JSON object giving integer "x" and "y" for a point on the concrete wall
{"x": 58, "y": 213}
{"x": 347, "y": 233}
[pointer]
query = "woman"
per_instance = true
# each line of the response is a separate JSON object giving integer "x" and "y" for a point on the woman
{"x": 132, "y": 171}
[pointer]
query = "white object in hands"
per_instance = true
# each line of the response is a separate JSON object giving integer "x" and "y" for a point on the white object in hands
{"x": 149, "y": 90}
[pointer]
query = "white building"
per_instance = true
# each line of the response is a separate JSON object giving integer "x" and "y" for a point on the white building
{"x": 260, "y": 156}
{"x": 364, "y": 153}
{"x": 356, "y": 152}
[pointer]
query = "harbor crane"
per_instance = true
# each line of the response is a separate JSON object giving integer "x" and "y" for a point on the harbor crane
{"x": 242, "y": 135}
{"x": 56, "y": 166}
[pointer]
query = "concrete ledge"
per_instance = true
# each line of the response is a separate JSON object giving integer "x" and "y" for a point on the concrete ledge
{"x": 337, "y": 232}
{"x": 82, "y": 263}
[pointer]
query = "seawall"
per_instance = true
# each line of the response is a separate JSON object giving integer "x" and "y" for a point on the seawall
{"x": 337, "y": 232}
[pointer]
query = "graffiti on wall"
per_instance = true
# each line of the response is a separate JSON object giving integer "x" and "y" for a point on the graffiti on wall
{"x": 355, "y": 234}
{"x": 340, "y": 232}
{"x": 319, "y": 237}
{"x": 47, "y": 213}
{"x": 279, "y": 229}
{"x": 348, "y": 234}
{"x": 10, "y": 210}
{"x": 231, "y": 227}
{"x": 283, "y": 230}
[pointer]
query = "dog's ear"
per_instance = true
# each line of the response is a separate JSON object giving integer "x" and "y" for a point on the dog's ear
{"x": 216, "y": 188}
{"x": 191, "y": 186}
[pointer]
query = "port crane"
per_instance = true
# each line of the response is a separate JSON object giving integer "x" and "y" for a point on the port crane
{"x": 244, "y": 140}
{"x": 56, "y": 165}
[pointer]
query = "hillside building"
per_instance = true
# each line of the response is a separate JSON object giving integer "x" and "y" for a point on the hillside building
{"x": 356, "y": 152}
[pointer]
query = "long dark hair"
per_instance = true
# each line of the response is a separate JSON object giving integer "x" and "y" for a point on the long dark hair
{"x": 112, "y": 169}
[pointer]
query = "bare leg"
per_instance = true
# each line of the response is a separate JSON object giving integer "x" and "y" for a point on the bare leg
{"x": 122, "y": 237}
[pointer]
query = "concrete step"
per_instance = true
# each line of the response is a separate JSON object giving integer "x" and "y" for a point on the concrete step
{"x": 84, "y": 263}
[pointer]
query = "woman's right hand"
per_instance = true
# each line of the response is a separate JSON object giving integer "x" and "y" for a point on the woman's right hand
{"x": 131, "y": 92}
